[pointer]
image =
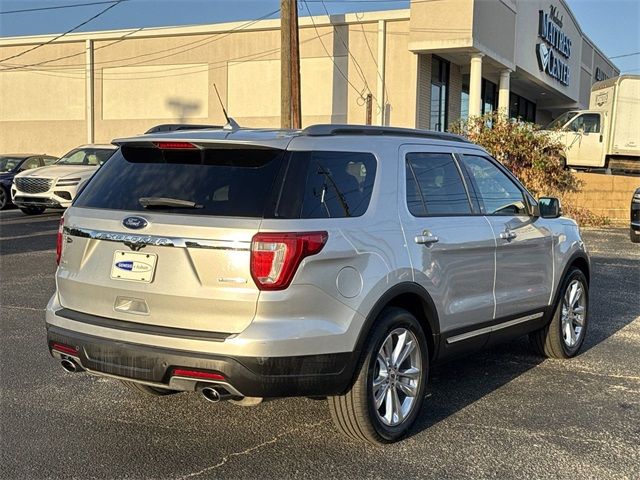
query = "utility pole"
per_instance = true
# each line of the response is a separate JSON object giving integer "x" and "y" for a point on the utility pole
{"x": 290, "y": 110}
{"x": 285, "y": 63}
{"x": 296, "y": 107}
{"x": 369, "y": 104}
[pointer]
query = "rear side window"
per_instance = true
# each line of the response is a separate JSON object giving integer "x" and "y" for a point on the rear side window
{"x": 216, "y": 181}
{"x": 434, "y": 185}
{"x": 327, "y": 185}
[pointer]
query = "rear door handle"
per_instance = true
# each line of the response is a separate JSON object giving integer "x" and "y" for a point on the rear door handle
{"x": 426, "y": 238}
{"x": 508, "y": 235}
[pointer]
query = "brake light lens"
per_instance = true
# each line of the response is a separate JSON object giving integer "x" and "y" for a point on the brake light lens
{"x": 59, "y": 241}
{"x": 183, "y": 372}
{"x": 175, "y": 145}
{"x": 275, "y": 257}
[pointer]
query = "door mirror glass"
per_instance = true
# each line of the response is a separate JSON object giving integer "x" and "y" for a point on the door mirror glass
{"x": 549, "y": 207}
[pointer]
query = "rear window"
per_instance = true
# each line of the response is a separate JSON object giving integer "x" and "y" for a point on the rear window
{"x": 234, "y": 181}
{"x": 218, "y": 181}
{"x": 322, "y": 184}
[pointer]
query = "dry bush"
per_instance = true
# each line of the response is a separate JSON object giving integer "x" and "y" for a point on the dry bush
{"x": 533, "y": 156}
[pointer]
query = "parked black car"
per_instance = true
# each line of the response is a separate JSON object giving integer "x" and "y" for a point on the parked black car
{"x": 12, "y": 164}
{"x": 634, "y": 227}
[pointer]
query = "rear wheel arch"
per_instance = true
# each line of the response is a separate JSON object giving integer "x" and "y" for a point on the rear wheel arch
{"x": 413, "y": 298}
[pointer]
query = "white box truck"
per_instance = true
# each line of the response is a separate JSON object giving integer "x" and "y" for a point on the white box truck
{"x": 606, "y": 136}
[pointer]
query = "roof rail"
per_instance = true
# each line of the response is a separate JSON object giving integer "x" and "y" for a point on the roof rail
{"x": 343, "y": 129}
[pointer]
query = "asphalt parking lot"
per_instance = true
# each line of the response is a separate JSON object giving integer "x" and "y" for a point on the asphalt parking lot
{"x": 503, "y": 413}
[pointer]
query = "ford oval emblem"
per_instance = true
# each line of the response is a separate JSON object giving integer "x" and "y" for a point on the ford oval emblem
{"x": 135, "y": 223}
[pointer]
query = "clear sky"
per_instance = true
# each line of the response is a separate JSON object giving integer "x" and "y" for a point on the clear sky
{"x": 614, "y": 25}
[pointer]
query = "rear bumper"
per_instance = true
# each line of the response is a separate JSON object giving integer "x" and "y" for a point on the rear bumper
{"x": 308, "y": 375}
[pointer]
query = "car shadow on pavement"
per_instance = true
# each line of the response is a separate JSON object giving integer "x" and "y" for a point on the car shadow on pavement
{"x": 458, "y": 384}
{"x": 614, "y": 294}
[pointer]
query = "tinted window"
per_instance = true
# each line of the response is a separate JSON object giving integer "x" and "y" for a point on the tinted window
{"x": 434, "y": 185}
{"x": 31, "y": 163}
{"x": 49, "y": 160}
{"x": 7, "y": 164}
{"x": 327, "y": 185}
{"x": 497, "y": 193}
{"x": 222, "y": 181}
{"x": 86, "y": 156}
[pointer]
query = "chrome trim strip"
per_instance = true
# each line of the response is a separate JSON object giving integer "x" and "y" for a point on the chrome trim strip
{"x": 493, "y": 328}
{"x": 140, "y": 240}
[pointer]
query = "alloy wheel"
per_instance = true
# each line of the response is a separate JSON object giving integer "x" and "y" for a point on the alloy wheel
{"x": 397, "y": 376}
{"x": 574, "y": 310}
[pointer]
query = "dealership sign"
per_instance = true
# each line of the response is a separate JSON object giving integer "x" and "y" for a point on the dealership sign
{"x": 554, "y": 52}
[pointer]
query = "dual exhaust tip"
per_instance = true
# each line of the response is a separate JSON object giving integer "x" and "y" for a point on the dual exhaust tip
{"x": 70, "y": 366}
{"x": 212, "y": 394}
{"x": 216, "y": 394}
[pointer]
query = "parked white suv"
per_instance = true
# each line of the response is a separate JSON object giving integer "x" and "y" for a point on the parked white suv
{"x": 55, "y": 186}
{"x": 337, "y": 261}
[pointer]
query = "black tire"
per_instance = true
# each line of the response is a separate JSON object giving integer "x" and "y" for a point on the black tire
{"x": 549, "y": 341}
{"x": 633, "y": 236}
{"x": 5, "y": 199}
{"x": 354, "y": 413}
{"x": 32, "y": 210}
{"x": 147, "y": 390}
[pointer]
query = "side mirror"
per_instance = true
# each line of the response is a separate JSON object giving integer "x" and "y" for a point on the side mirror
{"x": 549, "y": 207}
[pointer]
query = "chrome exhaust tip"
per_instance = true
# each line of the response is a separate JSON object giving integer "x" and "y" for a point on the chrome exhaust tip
{"x": 69, "y": 365}
{"x": 211, "y": 394}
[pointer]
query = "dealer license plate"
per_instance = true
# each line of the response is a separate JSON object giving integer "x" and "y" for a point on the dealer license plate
{"x": 133, "y": 266}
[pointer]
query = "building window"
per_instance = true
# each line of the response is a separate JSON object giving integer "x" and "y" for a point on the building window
{"x": 439, "y": 93}
{"x": 521, "y": 109}
{"x": 489, "y": 96}
{"x": 464, "y": 98}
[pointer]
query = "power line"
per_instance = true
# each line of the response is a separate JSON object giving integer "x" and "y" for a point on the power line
{"x": 202, "y": 42}
{"x": 375, "y": 62}
{"x": 27, "y": 66}
{"x": 342, "y": 74}
{"x": 358, "y": 67}
{"x": 80, "y": 74}
{"x": 56, "y": 7}
{"x": 117, "y": 2}
{"x": 626, "y": 55}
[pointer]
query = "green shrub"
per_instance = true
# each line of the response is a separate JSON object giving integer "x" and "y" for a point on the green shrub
{"x": 533, "y": 156}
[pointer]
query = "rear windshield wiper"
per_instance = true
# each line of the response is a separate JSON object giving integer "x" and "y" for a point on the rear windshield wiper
{"x": 155, "y": 202}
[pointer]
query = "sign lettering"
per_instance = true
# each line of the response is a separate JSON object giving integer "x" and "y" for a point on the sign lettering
{"x": 556, "y": 48}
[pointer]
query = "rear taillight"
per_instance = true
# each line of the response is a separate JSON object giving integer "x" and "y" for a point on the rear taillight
{"x": 59, "y": 241}
{"x": 275, "y": 257}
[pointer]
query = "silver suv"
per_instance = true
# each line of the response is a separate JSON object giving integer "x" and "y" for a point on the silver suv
{"x": 337, "y": 261}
